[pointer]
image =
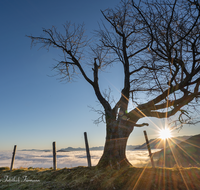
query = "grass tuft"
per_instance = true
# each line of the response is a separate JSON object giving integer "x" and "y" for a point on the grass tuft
{"x": 106, "y": 179}
{"x": 4, "y": 168}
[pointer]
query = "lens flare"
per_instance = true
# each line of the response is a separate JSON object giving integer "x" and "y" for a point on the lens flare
{"x": 165, "y": 133}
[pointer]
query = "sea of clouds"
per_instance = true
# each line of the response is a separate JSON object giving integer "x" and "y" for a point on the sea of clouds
{"x": 34, "y": 159}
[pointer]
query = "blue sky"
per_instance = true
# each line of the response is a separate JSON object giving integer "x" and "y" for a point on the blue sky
{"x": 35, "y": 108}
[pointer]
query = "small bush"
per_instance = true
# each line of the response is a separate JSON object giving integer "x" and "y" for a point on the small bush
{"x": 4, "y": 168}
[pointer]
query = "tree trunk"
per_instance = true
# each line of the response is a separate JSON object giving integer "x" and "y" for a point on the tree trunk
{"x": 114, "y": 154}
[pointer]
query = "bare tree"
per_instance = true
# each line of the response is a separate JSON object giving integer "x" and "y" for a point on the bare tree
{"x": 174, "y": 29}
{"x": 157, "y": 43}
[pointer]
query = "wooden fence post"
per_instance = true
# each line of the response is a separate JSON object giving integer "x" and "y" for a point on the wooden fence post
{"x": 54, "y": 156}
{"x": 149, "y": 149}
{"x": 13, "y": 158}
{"x": 87, "y": 150}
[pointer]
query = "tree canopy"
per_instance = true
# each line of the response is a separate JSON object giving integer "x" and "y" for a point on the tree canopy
{"x": 157, "y": 43}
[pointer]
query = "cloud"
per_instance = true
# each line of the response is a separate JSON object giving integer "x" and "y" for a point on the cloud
{"x": 65, "y": 159}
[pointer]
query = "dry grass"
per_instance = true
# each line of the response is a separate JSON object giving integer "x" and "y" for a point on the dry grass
{"x": 102, "y": 179}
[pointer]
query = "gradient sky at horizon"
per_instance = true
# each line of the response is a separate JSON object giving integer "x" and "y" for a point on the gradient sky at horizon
{"x": 36, "y": 108}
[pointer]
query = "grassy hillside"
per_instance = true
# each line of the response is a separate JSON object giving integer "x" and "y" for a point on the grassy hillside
{"x": 159, "y": 144}
{"x": 101, "y": 179}
{"x": 185, "y": 154}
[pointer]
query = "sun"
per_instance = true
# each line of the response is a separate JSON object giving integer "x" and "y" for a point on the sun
{"x": 165, "y": 133}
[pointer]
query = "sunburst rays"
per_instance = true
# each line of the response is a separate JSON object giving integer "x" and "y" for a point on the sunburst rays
{"x": 165, "y": 138}
{"x": 165, "y": 133}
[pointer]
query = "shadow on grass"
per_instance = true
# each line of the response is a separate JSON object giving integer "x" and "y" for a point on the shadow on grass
{"x": 106, "y": 179}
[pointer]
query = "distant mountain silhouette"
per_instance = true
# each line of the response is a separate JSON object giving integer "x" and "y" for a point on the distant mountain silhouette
{"x": 36, "y": 150}
{"x": 69, "y": 149}
{"x": 131, "y": 147}
{"x": 154, "y": 144}
{"x": 186, "y": 154}
{"x": 159, "y": 143}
